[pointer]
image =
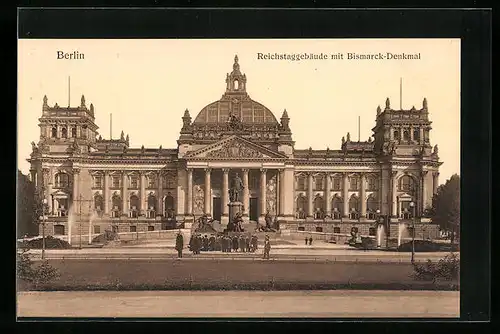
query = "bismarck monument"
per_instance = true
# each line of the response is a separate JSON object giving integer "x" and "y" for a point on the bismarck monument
{"x": 235, "y": 205}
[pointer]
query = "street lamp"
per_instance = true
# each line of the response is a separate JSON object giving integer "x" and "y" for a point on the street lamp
{"x": 43, "y": 227}
{"x": 412, "y": 205}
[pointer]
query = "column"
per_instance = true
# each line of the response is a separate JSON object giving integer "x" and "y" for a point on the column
{"x": 281, "y": 199}
{"x": 263, "y": 184}
{"x": 50, "y": 200}
{"x": 124, "y": 194}
{"x": 208, "y": 192}
{"x": 246, "y": 193}
{"x": 345, "y": 193}
{"x": 423, "y": 197}
{"x": 328, "y": 203}
{"x": 435, "y": 182}
{"x": 78, "y": 131}
{"x": 362, "y": 195}
{"x": 411, "y": 133}
{"x": 76, "y": 173}
{"x": 310, "y": 195}
{"x": 391, "y": 134}
{"x": 189, "y": 209}
{"x": 394, "y": 212}
{"x": 159, "y": 196}
{"x": 224, "y": 190}
{"x": 106, "y": 192}
{"x": 421, "y": 139}
{"x": 142, "y": 195}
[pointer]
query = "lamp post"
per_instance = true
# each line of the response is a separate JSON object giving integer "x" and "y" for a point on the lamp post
{"x": 44, "y": 204}
{"x": 412, "y": 205}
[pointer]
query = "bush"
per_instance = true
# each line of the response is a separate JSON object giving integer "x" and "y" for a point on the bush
{"x": 50, "y": 243}
{"x": 33, "y": 274}
{"x": 447, "y": 268}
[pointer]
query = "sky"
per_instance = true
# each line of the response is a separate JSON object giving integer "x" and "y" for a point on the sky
{"x": 147, "y": 84}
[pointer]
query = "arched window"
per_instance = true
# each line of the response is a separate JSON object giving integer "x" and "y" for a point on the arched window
{"x": 62, "y": 180}
{"x": 318, "y": 182}
{"x": 236, "y": 85}
{"x": 337, "y": 207}
{"x": 416, "y": 134}
{"x": 354, "y": 207}
{"x": 117, "y": 205}
{"x": 319, "y": 210}
{"x": 372, "y": 204}
{"x": 301, "y": 182}
{"x": 151, "y": 202}
{"x": 407, "y": 184}
{"x": 134, "y": 203}
{"x": 169, "y": 206}
{"x": 62, "y": 204}
{"x": 134, "y": 182}
{"x": 73, "y": 132}
{"x": 301, "y": 207}
{"x": 64, "y": 133}
{"x": 406, "y": 135}
{"x": 54, "y": 132}
{"x": 319, "y": 229}
{"x": 396, "y": 135}
{"x": 98, "y": 203}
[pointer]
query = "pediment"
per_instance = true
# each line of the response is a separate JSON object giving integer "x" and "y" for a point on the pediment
{"x": 235, "y": 147}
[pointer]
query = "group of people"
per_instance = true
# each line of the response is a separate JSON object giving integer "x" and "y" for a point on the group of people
{"x": 224, "y": 243}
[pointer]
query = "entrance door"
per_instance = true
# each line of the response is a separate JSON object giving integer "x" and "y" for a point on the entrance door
{"x": 254, "y": 209}
{"x": 216, "y": 207}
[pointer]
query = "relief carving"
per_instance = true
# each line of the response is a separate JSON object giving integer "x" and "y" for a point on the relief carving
{"x": 271, "y": 195}
{"x": 235, "y": 149}
{"x": 198, "y": 199}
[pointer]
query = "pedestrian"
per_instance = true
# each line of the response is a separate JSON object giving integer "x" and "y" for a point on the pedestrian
{"x": 179, "y": 244}
{"x": 267, "y": 248}
{"x": 241, "y": 244}
{"x": 254, "y": 243}
{"x": 205, "y": 243}
{"x": 306, "y": 240}
{"x": 228, "y": 244}
{"x": 235, "y": 244}
{"x": 211, "y": 243}
{"x": 310, "y": 240}
{"x": 247, "y": 243}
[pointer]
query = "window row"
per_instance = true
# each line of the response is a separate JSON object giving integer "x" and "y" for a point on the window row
{"x": 405, "y": 135}
{"x": 134, "y": 182}
{"x": 135, "y": 205}
{"x": 337, "y": 205}
{"x": 336, "y": 229}
{"x": 319, "y": 183}
{"x": 65, "y": 133}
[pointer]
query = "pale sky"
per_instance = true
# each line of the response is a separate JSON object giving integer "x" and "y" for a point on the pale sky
{"x": 147, "y": 85}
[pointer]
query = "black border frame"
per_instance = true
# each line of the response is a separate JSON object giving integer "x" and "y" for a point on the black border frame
{"x": 472, "y": 26}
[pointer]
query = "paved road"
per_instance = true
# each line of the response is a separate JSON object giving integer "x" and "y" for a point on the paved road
{"x": 298, "y": 254}
{"x": 338, "y": 303}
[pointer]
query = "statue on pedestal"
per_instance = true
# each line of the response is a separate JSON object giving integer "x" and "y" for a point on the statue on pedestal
{"x": 235, "y": 188}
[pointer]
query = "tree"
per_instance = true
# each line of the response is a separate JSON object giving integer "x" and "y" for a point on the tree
{"x": 446, "y": 206}
{"x": 25, "y": 206}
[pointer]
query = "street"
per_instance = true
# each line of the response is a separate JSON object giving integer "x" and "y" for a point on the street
{"x": 268, "y": 304}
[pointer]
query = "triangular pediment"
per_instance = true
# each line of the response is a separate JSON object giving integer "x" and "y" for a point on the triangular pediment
{"x": 235, "y": 147}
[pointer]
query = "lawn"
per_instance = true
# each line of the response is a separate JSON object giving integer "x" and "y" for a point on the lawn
{"x": 233, "y": 275}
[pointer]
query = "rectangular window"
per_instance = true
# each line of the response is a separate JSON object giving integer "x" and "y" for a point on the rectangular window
{"x": 353, "y": 183}
{"x": 97, "y": 229}
{"x": 151, "y": 228}
{"x": 336, "y": 183}
{"x": 151, "y": 181}
{"x": 319, "y": 183}
{"x": 336, "y": 229}
{"x": 116, "y": 182}
{"x": 133, "y": 228}
{"x": 98, "y": 181}
{"x": 134, "y": 182}
{"x": 372, "y": 184}
{"x": 372, "y": 231}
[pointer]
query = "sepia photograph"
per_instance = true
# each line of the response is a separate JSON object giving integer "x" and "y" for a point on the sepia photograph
{"x": 226, "y": 178}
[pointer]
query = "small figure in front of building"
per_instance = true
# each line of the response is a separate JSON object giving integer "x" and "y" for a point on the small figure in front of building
{"x": 211, "y": 243}
{"x": 254, "y": 243}
{"x": 235, "y": 243}
{"x": 205, "y": 243}
{"x": 310, "y": 240}
{"x": 306, "y": 239}
{"x": 247, "y": 244}
{"x": 267, "y": 248}
{"x": 241, "y": 244}
{"x": 179, "y": 244}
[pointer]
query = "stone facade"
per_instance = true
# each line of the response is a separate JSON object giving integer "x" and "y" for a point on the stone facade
{"x": 95, "y": 183}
